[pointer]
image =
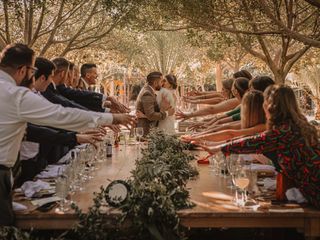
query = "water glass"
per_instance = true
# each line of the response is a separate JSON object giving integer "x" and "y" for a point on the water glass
{"x": 62, "y": 192}
{"x": 233, "y": 167}
{"x": 126, "y": 134}
{"x": 139, "y": 133}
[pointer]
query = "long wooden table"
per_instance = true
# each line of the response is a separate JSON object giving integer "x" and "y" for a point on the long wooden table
{"x": 205, "y": 214}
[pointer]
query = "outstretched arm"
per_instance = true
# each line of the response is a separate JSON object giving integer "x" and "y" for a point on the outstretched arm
{"x": 217, "y": 108}
{"x": 229, "y": 134}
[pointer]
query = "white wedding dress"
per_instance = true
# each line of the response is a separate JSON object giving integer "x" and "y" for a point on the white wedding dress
{"x": 167, "y": 125}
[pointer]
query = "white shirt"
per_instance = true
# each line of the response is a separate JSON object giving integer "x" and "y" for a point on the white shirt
{"x": 28, "y": 150}
{"x": 19, "y": 105}
{"x": 86, "y": 85}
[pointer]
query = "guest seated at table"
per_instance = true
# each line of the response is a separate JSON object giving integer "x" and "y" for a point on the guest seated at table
{"x": 290, "y": 142}
{"x": 224, "y": 106}
{"x": 227, "y": 85}
{"x": 213, "y": 97}
{"x": 242, "y": 73}
{"x": 259, "y": 83}
{"x": 252, "y": 120}
{"x": 239, "y": 88}
{"x": 231, "y": 119}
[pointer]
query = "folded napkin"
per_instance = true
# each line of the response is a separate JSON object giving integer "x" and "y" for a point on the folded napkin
{"x": 247, "y": 157}
{"x": 270, "y": 183}
{"x": 260, "y": 167}
{"x": 18, "y": 207}
{"x": 52, "y": 171}
{"x": 29, "y": 188}
{"x": 294, "y": 194}
{"x": 65, "y": 159}
{"x": 42, "y": 201}
{"x": 81, "y": 146}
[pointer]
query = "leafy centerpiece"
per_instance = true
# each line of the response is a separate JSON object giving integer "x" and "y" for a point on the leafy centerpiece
{"x": 157, "y": 191}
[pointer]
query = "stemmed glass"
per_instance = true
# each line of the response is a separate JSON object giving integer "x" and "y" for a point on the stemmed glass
{"x": 233, "y": 167}
{"x": 242, "y": 182}
{"x": 139, "y": 134}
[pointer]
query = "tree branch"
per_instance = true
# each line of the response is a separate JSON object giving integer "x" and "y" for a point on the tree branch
{"x": 67, "y": 48}
{"x": 54, "y": 30}
{"x": 315, "y": 3}
{"x": 36, "y": 33}
{"x": 295, "y": 35}
{"x": 6, "y": 21}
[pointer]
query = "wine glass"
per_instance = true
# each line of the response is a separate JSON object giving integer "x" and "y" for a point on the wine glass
{"x": 62, "y": 192}
{"x": 242, "y": 182}
{"x": 233, "y": 167}
{"x": 139, "y": 134}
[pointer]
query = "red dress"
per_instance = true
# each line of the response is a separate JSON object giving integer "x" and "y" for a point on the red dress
{"x": 299, "y": 162}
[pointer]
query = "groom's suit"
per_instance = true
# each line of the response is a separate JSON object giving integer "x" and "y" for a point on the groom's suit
{"x": 147, "y": 104}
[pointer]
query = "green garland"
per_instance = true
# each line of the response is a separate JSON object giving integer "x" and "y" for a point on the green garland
{"x": 158, "y": 191}
{"x": 159, "y": 188}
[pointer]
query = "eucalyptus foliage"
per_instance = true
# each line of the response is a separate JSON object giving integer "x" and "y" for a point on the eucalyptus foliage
{"x": 159, "y": 187}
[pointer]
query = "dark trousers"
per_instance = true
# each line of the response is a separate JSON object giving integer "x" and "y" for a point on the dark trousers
{"x": 6, "y": 211}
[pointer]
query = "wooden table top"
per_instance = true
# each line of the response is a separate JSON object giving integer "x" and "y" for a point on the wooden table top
{"x": 207, "y": 213}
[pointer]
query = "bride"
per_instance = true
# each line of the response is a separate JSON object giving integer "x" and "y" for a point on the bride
{"x": 169, "y": 85}
{"x": 167, "y": 91}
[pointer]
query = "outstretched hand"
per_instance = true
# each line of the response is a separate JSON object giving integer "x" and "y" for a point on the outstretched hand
{"x": 116, "y": 106}
{"x": 89, "y": 138}
{"x": 182, "y": 116}
{"x": 212, "y": 150}
{"x": 124, "y": 119}
{"x": 140, "y": 114}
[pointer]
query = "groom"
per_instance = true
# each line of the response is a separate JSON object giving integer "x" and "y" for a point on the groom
{"x": 147, "y": 104}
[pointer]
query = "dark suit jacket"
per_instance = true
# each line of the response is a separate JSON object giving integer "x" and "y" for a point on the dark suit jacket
{"x": 52, "y": 95}
{"x": 90, "y": 88}
{"x": 147, "y": 104}
{"x": 90, "y": 100}
{"x": 54, "y": 143}
{"x": 45, "y": 135}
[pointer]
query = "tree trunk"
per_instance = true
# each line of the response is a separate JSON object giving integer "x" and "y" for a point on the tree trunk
{"x": 279, "y": 76}
{"x": 218, "y": 77}
{"x": 317, "y": 103}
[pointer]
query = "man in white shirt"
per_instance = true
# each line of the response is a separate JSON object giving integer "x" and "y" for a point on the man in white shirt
{"x": 19, "y": 105}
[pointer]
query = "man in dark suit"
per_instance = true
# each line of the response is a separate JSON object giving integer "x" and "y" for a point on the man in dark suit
{"x": 89, "y": 75}
{"x": 147, "y": 103}
{"x": 91, "y": 100}
{"x": 50, "y": 92}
